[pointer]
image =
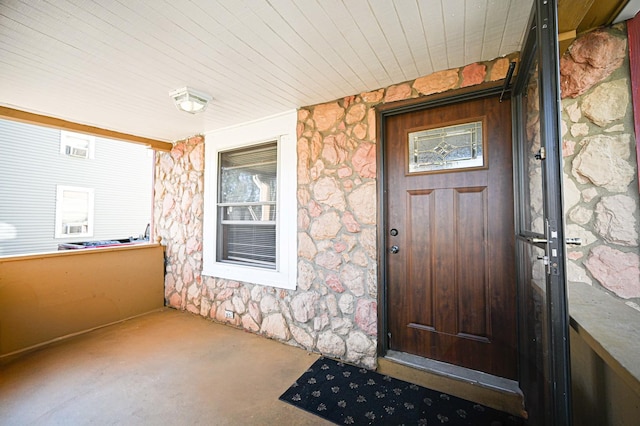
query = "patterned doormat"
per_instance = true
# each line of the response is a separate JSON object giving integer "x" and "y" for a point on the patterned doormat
{"x": 345, "y": 394}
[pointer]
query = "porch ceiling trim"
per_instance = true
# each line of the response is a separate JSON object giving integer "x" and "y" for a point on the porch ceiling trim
{"x": 56, "y": 123}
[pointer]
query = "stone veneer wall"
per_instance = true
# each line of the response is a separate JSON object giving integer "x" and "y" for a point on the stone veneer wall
{"x": 178, "y": 207}
{"x": 601, "y": 175}
{"x": 334, "y": 308}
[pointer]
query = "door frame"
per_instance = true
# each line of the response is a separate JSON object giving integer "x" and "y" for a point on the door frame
{"x": 382, "y": 113}
{"x": 541, "y": 43}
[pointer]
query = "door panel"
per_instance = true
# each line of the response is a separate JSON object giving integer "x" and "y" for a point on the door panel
{"x": 451, "y": 281}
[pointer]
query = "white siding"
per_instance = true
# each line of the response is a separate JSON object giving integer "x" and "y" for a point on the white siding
{"x": 31, "y": 166}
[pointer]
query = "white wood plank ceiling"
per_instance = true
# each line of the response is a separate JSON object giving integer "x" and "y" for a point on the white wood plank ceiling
{"x": 112, "y": 63}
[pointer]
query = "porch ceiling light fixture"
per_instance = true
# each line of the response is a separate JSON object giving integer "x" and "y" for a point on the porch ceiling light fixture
{"x": 190, "y": 100}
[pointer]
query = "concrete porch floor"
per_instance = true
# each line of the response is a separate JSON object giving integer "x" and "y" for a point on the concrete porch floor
{"x": 166, "y": 367}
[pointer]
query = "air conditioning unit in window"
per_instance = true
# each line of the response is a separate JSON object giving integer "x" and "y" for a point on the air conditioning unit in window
{"x": 73, "y": 229}
{"x": 73, "y": 151}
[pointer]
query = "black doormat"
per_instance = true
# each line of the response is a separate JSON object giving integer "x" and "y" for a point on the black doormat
{"x": 345, "y": 394}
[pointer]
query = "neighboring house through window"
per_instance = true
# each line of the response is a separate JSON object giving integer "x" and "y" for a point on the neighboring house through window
{"x": 250, "y": 202}
{"x": 60, "y": 188}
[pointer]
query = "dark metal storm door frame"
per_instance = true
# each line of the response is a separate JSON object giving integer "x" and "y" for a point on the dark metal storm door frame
{"x": 547, "y": 386}
{"x": 543, "y": 328}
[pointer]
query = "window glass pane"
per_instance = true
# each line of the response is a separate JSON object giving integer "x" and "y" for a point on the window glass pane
{"x": 249, "y": 175}
{"x": 247, "y": 208}
{"x": 445, "y": 148}
{"x": 252, "y": 212}
{"x": 531, "y": 193}
{"x": 252, "y": 244}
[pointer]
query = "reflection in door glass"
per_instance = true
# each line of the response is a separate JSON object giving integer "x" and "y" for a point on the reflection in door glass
{"x": 532, "y": 177}
{"x": 535, "y": 348}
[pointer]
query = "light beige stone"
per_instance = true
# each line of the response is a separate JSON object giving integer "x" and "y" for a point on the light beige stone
{"x": 581, "y": 215}
{"x": 275, "y": 326}
{"x": 437, "y": 82}
{"x": 571, "y": 193}
{"x": 602, "y": 161}
{"x": 196, "y": 157}
{"x": 306, "y": 274}
{"x": 301, "y": 336}
{"x": 352, "y": 278}
{"x": 371, "y": 125}
{"x": 316, "y": 171}
{"x": 360, "y": 131}
{"x": 616, "y": 128}
{"x": 346, "y": 303}
{"x": 341, "y": 326}
{"x": 359, "y": 345}
{"x": 326, "y": 226}
{"x": 589, "y": 194}
{"x": 254, "y": 311}
{"x": 331, "y": 344}
{"x": 356, "y": 113}
{"x": 249, "y": 324}
{"x": 304, "y": 156}
{"x": 303, "y": 220}
{"x": 316, "y": 146}
{"x": 238, "y": 305}
{"x": 362, "y": 201}
{"x": 303, "y": 306}
{"x": 327, "y": 191}
{"x": 568, "y": 148}
{"x": 369, "y": 242}
{"x": 579, "y": 129}
{"x": 321, "y": 322}
{"x": 306, "y": 247}
{"x": 615, "y": 220}
{"x": 303, "y": 196}
{"x": 573, "y": 111}
{"x": 608, "y": 102}
{"x": 268, "y": 304}
{"x": 329, "y": 260}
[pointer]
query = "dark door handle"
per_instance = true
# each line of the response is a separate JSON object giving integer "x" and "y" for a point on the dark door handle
{"x": 394, "y": 249}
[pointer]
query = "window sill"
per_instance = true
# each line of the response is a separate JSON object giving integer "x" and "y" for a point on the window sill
{"x": 609, "y": 327}
{"x": 61, "y": 253}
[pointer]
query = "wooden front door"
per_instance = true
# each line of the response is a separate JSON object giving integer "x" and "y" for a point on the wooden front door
{"x": 451, "y": 289}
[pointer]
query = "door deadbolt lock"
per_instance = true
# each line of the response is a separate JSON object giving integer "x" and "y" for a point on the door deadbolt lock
{"x": 394, "y": 249}
{"x": 393, "y": 232}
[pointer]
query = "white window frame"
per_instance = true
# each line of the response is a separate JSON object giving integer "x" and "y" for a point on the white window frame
{"x": 71, "y": 140}
{"x": 60, "y": 189}
{"x": 281, "y": 128}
